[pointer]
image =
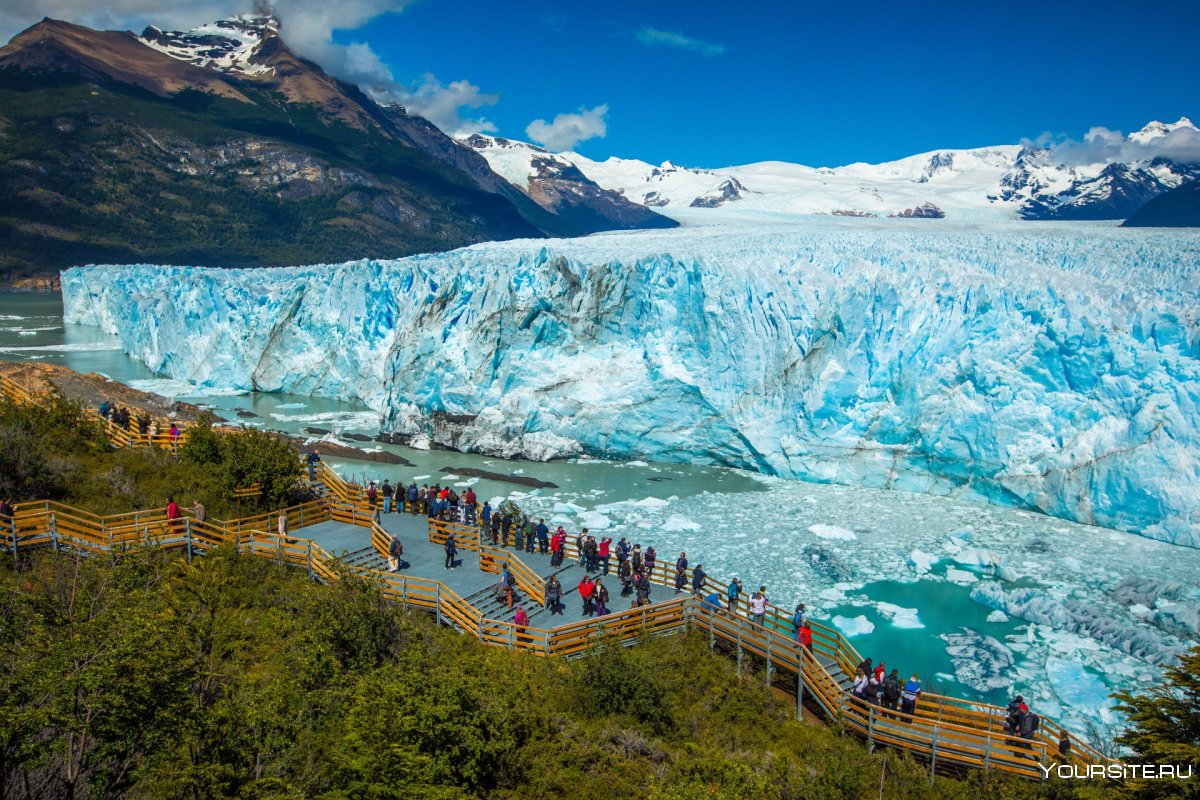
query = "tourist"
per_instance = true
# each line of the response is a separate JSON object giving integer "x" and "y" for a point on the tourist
{"x": 496, "y": 521}
{"x": 600, "y": 598}
{"x": 530, "y": 536}
{"x": 312, "y": 460}
{"x": 731, "y": 595}
{"x": 172, "y": 515}
{"x": 372, "y": 494}
{"x": 681, "y": 565}
{"x": 859, "y": 689}
{"x": 387, "y": 492}
{"x": 543, "y": 537}
{"x": 579, "y": 540}
{"x": 411, "y": 498}
{"x": 521, "y": 523}
{"x": 799, "y": 616}
{"x": 8, "y": 516}
{"x": 174, "y": 434}
{"x": 143, "y": 424}
{"x": 874, "y": 689}
{"x": 636, "y": 558}
{"x": 867, "y": 666}
{"x": 585, "y": 593}
{"x": 485, "y": 517}
{"x": 622, "y": 550}
{"x": 650, "y": 558}
{"x": 104, "y": 407}
{"x": 198, "y": 512}
{"x": 908, "y": 698}
{"x": 699, "y": 578}
{"x": 520, "y": 620}
{"x": 470, "y": 502}
{"x": 451, "y": 551}
{"x": 590, "y": 554}
{"x": 891, "y": 688}
{"x": 1013, "y": 713}
{"x": 554, "y": 595}
{"x": 641, "y": 582}
{"x": 804, "y": 635}
{"x": 558, "y": 544}
{"x": 758, "y": 606}
{"x": 880, "y": 671}
{"x": 1064, "y": 746}
{"x": 625, "y": 576}
{"x": 395, "y": 550}
{"x": 602, "y": 553}
{"x": 508, "y": 584}
{"x": 506, "y": 522}
{"x": 282, "y": 525}
{"x": 152, "y": 432}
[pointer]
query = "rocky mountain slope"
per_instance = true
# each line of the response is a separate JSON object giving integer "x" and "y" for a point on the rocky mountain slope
{"x": 219, "y": 146}
{"x": 1178, "y": 208}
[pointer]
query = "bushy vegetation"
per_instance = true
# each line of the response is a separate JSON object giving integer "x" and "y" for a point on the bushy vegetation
{"x": 59, "y": 452}
{"x": 147, "y": 676}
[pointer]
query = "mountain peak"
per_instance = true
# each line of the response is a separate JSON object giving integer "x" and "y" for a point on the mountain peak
{"x": 227, "y": 45}
{"x": 1156, "y": 130}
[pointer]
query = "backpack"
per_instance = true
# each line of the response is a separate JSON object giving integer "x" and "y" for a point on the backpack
{"x": 733, "y": 591}
{"x": 891, "y": 688}
{"x": 1035, "y": 722}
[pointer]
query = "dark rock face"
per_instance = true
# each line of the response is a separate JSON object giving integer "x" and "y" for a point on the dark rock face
{"x": 923, "y": 211}
{"x": 729, "y": 191}
{"x": 520, "y": 480}
{"x": 1178, "y": 208}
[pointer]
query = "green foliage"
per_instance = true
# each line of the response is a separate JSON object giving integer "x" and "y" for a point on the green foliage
{"x": 244, "y": 458}
{"x": 146, "y": 676}
{"x": 1164, "y": 728}
{"x": 31, "y": 437}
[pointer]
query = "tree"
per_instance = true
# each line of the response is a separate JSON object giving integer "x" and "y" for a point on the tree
{"x": 1164, "y": 728}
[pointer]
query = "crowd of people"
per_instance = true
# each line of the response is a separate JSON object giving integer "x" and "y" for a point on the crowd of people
{"x": 145, "y": 426}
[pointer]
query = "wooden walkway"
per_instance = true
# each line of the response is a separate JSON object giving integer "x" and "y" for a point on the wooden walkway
{"x": 341, "y": 535}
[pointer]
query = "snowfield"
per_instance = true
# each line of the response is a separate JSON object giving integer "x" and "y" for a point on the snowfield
{"x": 1048, "y": 366}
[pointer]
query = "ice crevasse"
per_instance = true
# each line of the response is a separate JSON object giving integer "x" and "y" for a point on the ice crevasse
{"x": 1050, "y": 367}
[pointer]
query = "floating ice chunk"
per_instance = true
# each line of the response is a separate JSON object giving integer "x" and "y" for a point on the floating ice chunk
{"x": 900, "y": 617}
{"x": 1139, "y": 610}
{"x": 1079, "y": 688}
{"x": 978, "y": 557}
{"x": 593, "y": 520}
{"x": 997, "y": 616}
{"x": 649, "y": 502}
{"x": 961, "y": 576}
{"x": 567, "y": 508}
{"x": 981, "y": 662}
{"x": 921, "y": 562}
{"x": 832, "y": 532}
{"x": 963, "y": 536}
{"x": 421, "y": 477}
{"x": 831, "y": 596}
{"x": 853, "y": 626}
{"x": 289, "y": 405}
{"x": 678, "y": 522}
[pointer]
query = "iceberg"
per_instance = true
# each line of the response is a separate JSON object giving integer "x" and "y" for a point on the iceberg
{"x": 1054, "y": 368}
{"x": 853, "y": 626}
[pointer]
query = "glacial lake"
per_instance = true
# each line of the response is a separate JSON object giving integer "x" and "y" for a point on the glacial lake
{"x": 894, "y": 568}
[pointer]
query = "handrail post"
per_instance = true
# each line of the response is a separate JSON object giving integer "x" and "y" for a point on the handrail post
{"x": 800, "y": 685}
{"x": 53, "y": 529}
{"x": 987, "y": 750}
{"x": 438, "y": 596}
{"x": 187, "y": 528}
{"x": 933, "y": 754}
{"x": 308, "y": 560}
{"x": 739, "y": 648}
{"x": 870, "y": 728}
{"x": 768, "y": 669}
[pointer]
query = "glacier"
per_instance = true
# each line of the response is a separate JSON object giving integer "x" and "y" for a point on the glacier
{"x": 1053, "y": 367}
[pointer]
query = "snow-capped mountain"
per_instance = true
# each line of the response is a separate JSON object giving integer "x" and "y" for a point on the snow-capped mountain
{"x": 1005, "y": 181}
{"x": 229, "y": 45}
{"x": 558, "y": 186}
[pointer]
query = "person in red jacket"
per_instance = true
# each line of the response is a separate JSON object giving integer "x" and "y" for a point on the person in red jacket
{"x": 602, "y": 552}
{"x": 804, "y": 635}
{"x": 520, "y": 620}
{"x": 172, "y": 515}
{"x": 585, "y": 591}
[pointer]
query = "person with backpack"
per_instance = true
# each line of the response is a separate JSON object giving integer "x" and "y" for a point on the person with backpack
{"x": 554, "y": 595}
{"x": 395, "y": 550}
{"x": 413, "y": 494}
{"x": 508, "y": 586}
{"x": 699, "y": 578}
{"x": 625, "y": 576}
{"x": 387, "y": 492}
{"x": 636, "y": 560}
{"x": 506, "y": 522}
{"x": 585, "y": 593}
{"x": 799, "y": 616}
{"x": 579, "y": 542}
{"x": 731, "y": 595}
{"x": 543, "y": 537}
{"x": 650, "y": 557}
{"x": 681, "y": 565}
{"x": 641, "y": 582}
{"x": 558, "y": 544}
{"x": 372, "y": 494}
{"x": 909, "y": 695}
{"x": 470, "y": 502}
{"x": 891, "y": 690}
{"x": 1030, "y": 722}
{"x": 622, "y": 551}
{"x": 1012, "y": 714}
{"x": 451, "y": 552}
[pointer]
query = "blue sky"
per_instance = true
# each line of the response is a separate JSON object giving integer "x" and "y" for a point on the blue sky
{"x": 716, "y": 84}
{"x": 820, "y": 84}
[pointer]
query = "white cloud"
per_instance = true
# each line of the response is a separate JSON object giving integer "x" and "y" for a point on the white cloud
{"x": 1103, "y": 145}
{"x": 568, "y": 130}
{"x": 443, "y": 104}
{"x": 656, "y": 37}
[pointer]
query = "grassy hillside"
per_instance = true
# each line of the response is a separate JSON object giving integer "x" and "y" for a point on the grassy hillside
{"x": 96, "y": 173}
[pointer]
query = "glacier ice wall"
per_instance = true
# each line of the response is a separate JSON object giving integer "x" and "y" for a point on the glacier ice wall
{"x": 1051, "y": 367}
